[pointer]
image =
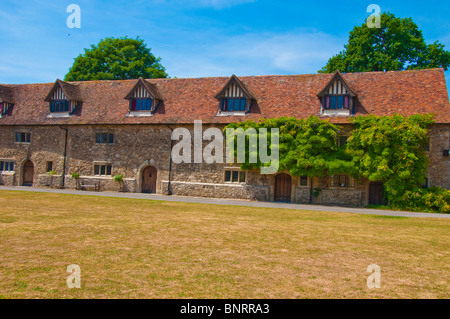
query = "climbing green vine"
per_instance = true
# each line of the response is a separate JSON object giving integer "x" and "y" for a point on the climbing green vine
{"x": 389, "y": 149}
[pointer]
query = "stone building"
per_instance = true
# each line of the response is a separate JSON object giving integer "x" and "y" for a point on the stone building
{"x": 100, "y": 129}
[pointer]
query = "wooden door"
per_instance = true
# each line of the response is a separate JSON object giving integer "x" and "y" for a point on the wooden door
{"x": 376, "y": 193}
{"x": 149, "y": 180}
{"x": 28, "y": 174}
{"x": 283, "y": 187}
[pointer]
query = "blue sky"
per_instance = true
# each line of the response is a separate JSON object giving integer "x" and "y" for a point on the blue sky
{"x": 197, "y": 38}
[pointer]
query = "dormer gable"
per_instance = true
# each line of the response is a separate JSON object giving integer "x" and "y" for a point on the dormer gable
{"x": 144, "y": 98}
{"x": 337, "y": 98}
{"x": 235, "y": 98}
{"x": 63, "y": 99}
{"x": 6, "y": 99}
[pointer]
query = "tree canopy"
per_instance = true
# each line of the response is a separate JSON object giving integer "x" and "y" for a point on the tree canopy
{"x": 116, "y": 59}
{"x": 397, "y": 45}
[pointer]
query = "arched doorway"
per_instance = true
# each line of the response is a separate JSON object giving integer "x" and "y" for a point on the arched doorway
{"x": 376, "y": 193}
{"x": 28, "y": 173}
{"x": 283, "y": 188}
{"x": 149, "y": 175}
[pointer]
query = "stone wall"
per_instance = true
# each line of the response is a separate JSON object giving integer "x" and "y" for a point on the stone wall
{"x": 439, "y": 166}
{"x": 8, "y": 179}
{"x": 138, "y": 146}
{"x": 302, "y": 195}
{"x": 341, "y": 197}
{"x": 232, "y": 191}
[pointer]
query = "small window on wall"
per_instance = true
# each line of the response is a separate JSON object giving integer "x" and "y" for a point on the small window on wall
{"x": 343, "y": 140}
{"x": 104, "y": 138}
{"x": 103, "y": 170}
{"x": 23, "y": 137}
{"x": 235, "y": 177}
{"x": 6, "y": 166}
{"x": 427, "y": 183}
{"x": 426, "y": 147}
{"x": 303, "y": 180}
{"x": 342, "y": 181}
{"x": 49, "y": 167}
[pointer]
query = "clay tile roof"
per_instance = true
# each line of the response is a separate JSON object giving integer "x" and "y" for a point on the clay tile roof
{"x": 187, "y": 100}
{"x": 70, "y": 90}
{"x": 6, "y": 94}
{"x": 151, "y": 88}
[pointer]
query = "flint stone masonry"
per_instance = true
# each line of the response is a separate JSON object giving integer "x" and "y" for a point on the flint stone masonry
{"x": 250, "y": 192}
{"x": 339, "y": 197}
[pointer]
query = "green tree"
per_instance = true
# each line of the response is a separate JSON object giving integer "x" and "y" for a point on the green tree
{"x": 116, "y": 59}
{"x": 397, "y": 45}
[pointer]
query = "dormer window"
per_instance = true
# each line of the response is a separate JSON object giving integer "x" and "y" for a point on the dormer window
{"x": 144, "y": 99}
{"x": 6, "y": 99}
{"x": 57, "y": 106}
{"x": 336, "y": 102}
{"x": 233, "y": 104}
{"x": 63, "y": 99}
{"x": 337, "y": 97}
{"x": 141, "y": 104}
{"x": 235, "y": 99}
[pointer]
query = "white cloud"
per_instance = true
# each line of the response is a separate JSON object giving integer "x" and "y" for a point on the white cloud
{"x": 303, "y": 51}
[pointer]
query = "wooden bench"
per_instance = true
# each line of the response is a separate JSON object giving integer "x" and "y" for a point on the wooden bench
{"x": 89, "y": 184}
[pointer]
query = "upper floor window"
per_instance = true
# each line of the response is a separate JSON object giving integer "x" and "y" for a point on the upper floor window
{"x": 337, "y": 98}
{"x": 64, "y": 98}
{"x": 336, "y": 102}
{"x": 104, "y": 138}
{"x": 141, "y": 104}
{"x": 23, "y": 137}
{"x": 6, "y": 166}
{"x": 59, "y": 106}
{"x": 234, "y": 99}
{"x": 233, "y": 104}
{"x": 144, "y": 98}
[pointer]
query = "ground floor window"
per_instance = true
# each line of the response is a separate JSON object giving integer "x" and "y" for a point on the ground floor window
{"x": 6, "y": 166}
{"x": 342, "y": 181}
{"x": 235, "y": 177}
{"x": 303, "y": 180}
{"x": 342, "y": 141}
{"x": 103, "y": 169}
{"x": 49, "y": 167}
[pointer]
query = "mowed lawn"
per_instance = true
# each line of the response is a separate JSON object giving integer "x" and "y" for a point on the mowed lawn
{"x": 130, "y": 248}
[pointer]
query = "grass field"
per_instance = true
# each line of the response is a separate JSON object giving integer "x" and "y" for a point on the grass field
{"x": 129, "y": 248}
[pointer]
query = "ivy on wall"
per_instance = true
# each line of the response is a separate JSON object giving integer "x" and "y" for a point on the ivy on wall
{"x": 389, "y": 149}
